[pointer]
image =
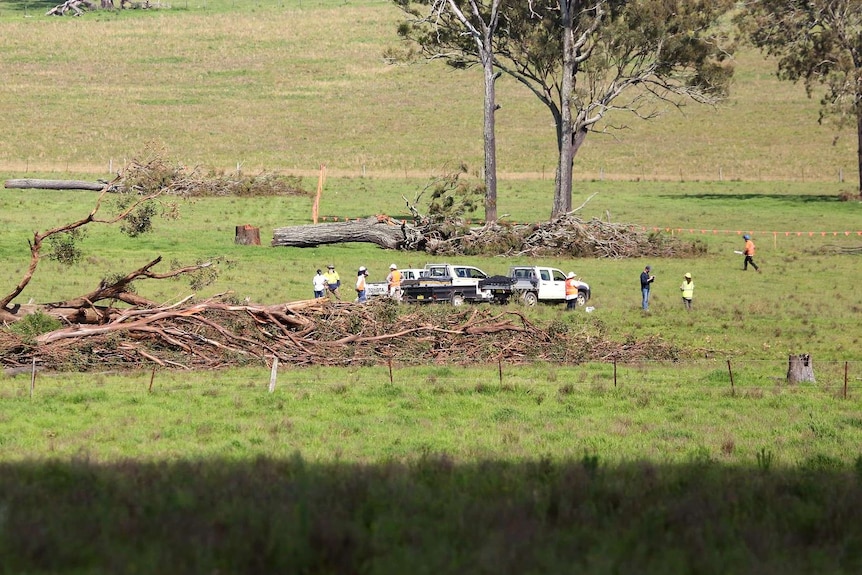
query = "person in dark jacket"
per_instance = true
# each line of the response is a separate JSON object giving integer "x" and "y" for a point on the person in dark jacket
{"x": 646, "y": 281}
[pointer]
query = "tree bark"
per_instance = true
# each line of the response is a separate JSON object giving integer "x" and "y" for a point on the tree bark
{"x": 563, "y": 191}
{"x": 378, "y": 230}
{"x": 800, "y": 368}
{"x": 26, "y": 183}
{"x": 859, "y": 131}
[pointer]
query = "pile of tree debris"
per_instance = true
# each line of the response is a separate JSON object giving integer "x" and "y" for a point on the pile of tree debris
{"x": 566, "y": 236}
{"x": 218, "y": 333}
{"x": 157, "y": 176}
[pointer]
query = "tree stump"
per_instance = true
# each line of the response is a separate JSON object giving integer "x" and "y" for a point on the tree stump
{"x": 247, "y": 235}
{"x": 800, "y": 368}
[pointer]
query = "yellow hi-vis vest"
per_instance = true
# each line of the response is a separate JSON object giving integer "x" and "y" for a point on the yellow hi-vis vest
{"x": 687, "y": 289}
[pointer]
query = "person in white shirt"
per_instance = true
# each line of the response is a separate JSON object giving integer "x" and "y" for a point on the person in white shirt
{"x": 361, "y": 296}
{"x": 319, "y": 283}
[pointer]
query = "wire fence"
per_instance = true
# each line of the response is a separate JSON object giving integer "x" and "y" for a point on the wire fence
{"x": 841, "y": 379}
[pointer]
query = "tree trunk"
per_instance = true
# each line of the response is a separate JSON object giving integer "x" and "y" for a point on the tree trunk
{"x": 247, "y": 235}
{"x": 24, "y": 184}
{"x": 376, "y": 230}
{"x": 800, "y": 368}
{"x": 563, "y": 192}
{"x": 490, "y": 133}
{"x": 859, "y": 131}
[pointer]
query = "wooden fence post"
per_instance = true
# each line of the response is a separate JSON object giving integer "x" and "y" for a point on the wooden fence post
{"x": 845, "y": 379}
{"x": 730, "y": 371}
{"x": 273, "y": 374}
{"x": 33, "y": 378}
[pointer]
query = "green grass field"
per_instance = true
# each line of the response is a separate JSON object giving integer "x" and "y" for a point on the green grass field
{"x": 658, "y": 468}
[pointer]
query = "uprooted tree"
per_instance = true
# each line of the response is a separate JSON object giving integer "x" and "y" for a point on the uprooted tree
{"x": 445, "y": 229}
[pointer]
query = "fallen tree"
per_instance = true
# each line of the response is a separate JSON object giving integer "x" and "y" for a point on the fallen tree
{"x": 380, "y": 230}
{"x": 567, "y": 235}
{"x": 76, "y": 7}
{"x": 38, "y": 184}
{"x": 444, "y": 230}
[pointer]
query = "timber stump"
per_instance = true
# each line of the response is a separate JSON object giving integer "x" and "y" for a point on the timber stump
{"x": 800, "y": 368}
{"x": 247, "y": 235}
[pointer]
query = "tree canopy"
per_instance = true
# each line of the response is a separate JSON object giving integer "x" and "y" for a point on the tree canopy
{"x": 588, "y": 60}
{"x": 818, "y": 42}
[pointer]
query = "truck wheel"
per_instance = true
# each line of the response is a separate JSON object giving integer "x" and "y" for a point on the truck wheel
{"x": 582, "y": 298}
{"x": 530, "y": 298}
{"x": 457, "y": 299}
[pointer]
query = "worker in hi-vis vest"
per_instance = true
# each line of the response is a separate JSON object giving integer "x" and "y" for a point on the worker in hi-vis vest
{"x": 571, "y": 291}
{"x": 393, "y": 280}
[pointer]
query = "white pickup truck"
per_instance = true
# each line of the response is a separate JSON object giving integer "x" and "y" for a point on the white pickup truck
{"x": 448, "y": 283}
{"x": 533, "y": 284}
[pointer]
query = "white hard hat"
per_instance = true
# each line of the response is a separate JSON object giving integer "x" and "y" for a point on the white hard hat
{"x": 393, "y": 267}
{"x": 571, "y": 275}
{"x": 363, "y": 268}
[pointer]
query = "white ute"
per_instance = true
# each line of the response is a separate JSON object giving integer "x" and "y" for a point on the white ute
{"x": 533, "y": 284}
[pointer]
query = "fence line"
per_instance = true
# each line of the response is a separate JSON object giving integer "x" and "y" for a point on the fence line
{"x": 736, "y": 377}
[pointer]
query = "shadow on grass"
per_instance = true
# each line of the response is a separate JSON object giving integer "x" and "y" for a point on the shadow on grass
{"x": 431, "y": 516}
{"x": 786, "y": 198}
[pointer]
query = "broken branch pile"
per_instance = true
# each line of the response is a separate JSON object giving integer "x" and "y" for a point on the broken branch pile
{"x": 567, "y": 235}
{"x": 216, "y": 333}
{"x": 158, "y": 174}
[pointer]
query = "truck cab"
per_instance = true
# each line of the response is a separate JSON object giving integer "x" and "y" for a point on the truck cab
{"x": 459, "y": 275}
{"x": 546, "y": 284}
{"x": 412, "y": 273}
{"x": 454, "y": 284}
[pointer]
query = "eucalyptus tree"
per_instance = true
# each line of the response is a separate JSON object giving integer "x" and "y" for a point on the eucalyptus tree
{"x": 463, "y": 32}
{"x": 587, "y": 59}
{"x": 820, "y": 43}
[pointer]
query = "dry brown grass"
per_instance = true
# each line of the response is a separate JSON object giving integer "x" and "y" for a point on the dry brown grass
{"x": 290, "y": 89}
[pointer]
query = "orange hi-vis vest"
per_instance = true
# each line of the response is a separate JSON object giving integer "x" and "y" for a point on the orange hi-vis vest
{"x": 749, "y": 248}
{"x": 360, "y": 283}
{"x": 395, "y": 279}
{"x": 571, "y": 288}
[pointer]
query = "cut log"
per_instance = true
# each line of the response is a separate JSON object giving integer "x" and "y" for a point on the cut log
{"x": 25, "y": 184}
{"x": 800, "y": 368}
{"x": 247, "y": 235}
{"x": 379, "y": 230}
